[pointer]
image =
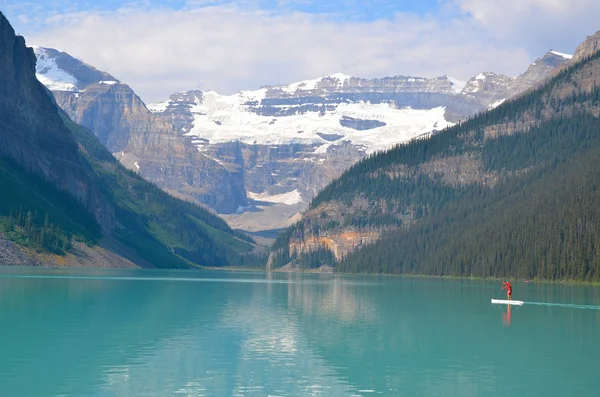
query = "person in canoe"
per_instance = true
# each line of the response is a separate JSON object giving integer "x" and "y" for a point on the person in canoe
{"x": 506, "y": 285}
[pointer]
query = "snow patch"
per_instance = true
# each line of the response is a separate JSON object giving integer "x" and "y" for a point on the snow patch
{"x": 560, "y": 54}
{"x": 257, "y": 95}
{"x": 219, "y": 119}
{"x": 212, "y": 158}
{"x": 480, "y": 76}
{"x": 457, "y": 85}
{"x": 158, "y": 107}
{"x": 137, "y": 166}
{"x": 49, "y": 74}
{"x": 309, "y": 85}
{"x": 341, "y": 78}
{"x": 289, "y": 198}
{"x": 108, "y": 82}
{"x": 496, "y": 104}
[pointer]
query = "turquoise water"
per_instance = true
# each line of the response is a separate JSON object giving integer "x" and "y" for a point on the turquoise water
{"x": 183, "y": 333}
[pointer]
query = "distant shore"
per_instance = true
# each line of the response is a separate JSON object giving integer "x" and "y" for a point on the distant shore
{"x": 325, "y": 269}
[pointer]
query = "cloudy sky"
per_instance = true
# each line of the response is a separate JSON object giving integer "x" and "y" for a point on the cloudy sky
{"x": 160, "y": 47}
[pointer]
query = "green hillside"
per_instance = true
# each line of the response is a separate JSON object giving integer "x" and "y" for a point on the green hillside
{"x": 60, "y": 185}
{"x": 166, "y": 231}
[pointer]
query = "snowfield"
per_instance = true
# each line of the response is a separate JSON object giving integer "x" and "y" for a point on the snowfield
{"x": 220, "y": 118}
{"x": 49, "y": 74}
{"x": 289, "y": 198}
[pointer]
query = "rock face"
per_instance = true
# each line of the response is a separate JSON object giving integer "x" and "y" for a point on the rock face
{"x": 275, "y": 142}
{"x": 33, "y": 133}
{"x": 589, "y": 47}
{"x": 141, "y": 141}
{"x": 539, "y": 71}
{"x": 298, "y": 137}
{"x": 56, "y": 175}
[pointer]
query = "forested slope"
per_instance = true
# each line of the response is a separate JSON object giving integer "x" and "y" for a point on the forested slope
{"x": 511, "y": 192}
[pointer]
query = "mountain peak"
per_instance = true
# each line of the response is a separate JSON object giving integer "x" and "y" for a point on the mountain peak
{"x": 60, "y": 71}
{"x": 456, "y": 84}
{"x": 589, "y": 47}
{"x": 338, "y": 76}
{"x": 560, "y": 54}
{"x": 335, "y": 80}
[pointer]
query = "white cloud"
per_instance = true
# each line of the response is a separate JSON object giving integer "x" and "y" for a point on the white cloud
{"x": 535, "y": 25}
{"x": 229, "y": 48}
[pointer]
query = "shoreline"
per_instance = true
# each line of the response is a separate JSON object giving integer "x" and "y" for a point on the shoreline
{"x": 319, "y": 271}
{"x": 499, "y": 279}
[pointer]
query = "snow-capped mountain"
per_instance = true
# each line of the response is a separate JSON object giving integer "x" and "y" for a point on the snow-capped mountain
{"x": 276, "y": 145}
{"x": 58, "y": 71}
{"x": 369, "y": 114}
{"x": 265, "y": 117}
{"x": 317, "y": 128}
{"x": 141, "y": 141}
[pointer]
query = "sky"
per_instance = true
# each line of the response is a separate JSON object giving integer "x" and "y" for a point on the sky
{"x": 162, "y": 47}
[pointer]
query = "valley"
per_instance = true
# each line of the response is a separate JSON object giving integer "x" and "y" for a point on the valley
{"x": 224, "y": 152}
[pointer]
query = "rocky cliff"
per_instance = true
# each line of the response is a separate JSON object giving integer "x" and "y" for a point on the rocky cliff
{"x": 141, "y": 141}
{"x": 33, "y": 133}
{"x": 67, "y": 200}
{"x": 588, "y": 47}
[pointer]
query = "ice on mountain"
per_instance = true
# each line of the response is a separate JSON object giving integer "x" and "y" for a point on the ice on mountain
{"x": 496, "y": 104}
{"x": 289, "y": 198}
{"x": 560, "y": 54}
{"x": 456, "y": 84}
{"x": 49, "y": 74}
{"x": 158, "y": 107}
{"x": 237, "y": 121}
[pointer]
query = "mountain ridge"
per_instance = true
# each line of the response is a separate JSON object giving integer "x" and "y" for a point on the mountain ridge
{"x": 444, "y": 205}
{"x": 281, "y": 139}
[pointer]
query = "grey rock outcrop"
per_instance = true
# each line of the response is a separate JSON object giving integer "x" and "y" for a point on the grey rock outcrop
{"x": 33, "y": 133}
{"x": 588, "y": 47}
{"x": 540, "y": 70}
{"x": 140, "y": 140}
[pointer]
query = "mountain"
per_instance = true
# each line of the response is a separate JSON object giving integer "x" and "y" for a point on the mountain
{"x": 141, "y": 141}
{"x": 258, "y": 157}
{"x": 296, "y": 138}
{"x": 511, "y": 192}
{"x": 66, "y": 199}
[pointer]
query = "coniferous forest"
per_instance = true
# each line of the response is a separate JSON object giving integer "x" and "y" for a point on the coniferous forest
{"x": 538, "y": 219}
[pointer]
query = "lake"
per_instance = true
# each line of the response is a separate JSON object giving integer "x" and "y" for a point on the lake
{"x": 197, "y": 333}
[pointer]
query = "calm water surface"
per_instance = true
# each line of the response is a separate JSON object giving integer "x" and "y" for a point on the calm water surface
{"x": 183, "y": 333}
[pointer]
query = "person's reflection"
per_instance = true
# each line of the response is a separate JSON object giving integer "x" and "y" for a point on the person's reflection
{"x": 507, "y": 316}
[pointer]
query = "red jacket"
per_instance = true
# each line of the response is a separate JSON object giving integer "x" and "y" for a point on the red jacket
{"x": 507, "y": 287}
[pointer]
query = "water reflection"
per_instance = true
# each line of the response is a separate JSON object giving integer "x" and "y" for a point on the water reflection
{"x": 333, "y": 297}
{"x": 297, "y": 335}
{"x": 507, "y": 316}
